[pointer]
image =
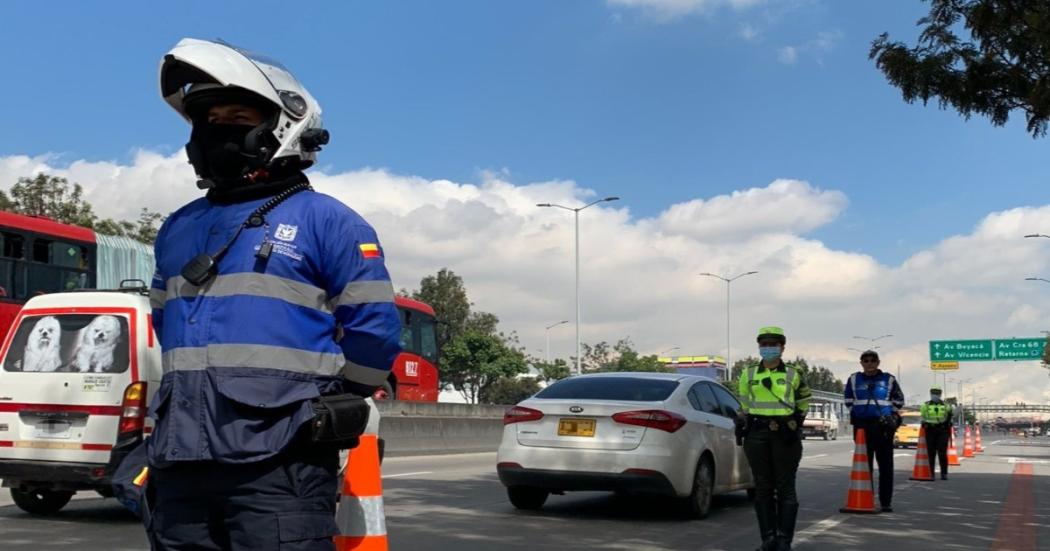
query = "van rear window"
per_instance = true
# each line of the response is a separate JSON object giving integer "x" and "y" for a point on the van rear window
{"x": 70, "y": 343}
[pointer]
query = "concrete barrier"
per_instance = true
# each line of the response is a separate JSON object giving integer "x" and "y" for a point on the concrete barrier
{"x": 431, "y": 428}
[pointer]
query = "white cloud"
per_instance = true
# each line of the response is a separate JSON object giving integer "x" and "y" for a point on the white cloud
{"x": 640, "y": 275}
{"x": 824, "y": 42}
{"x": 788, "y": 55}
{"x": 672, "y": 9}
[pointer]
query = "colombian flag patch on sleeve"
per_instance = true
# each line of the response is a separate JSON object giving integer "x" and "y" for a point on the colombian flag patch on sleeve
{"x": 370, "y": 250}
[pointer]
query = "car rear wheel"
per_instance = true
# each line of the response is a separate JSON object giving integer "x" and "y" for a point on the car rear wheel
{"x": 526, "y": 497}
{"x": 698, "y": 504}
{"x": 40, "y": 502}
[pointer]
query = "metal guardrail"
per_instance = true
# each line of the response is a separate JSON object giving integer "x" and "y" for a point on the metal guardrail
{"x": 1004, "y": 408}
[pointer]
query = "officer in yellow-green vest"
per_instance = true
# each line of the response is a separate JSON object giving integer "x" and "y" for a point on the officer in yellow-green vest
{"x": 937, "y": 422}
{"x": 775, "y": 399}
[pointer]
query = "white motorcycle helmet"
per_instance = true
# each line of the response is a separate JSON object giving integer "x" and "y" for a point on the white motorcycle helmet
{"x": 197, "y": 74}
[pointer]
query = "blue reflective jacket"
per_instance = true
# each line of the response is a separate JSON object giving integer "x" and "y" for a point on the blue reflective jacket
{"x": 872, "y": 397}
{"x": 246, "y": 352}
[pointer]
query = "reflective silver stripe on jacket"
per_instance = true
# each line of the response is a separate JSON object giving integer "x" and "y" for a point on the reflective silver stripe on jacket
{"x": 157, "y": 298}
{"x": 365, "y": 375}
{"x": 363, "y": 292}
{"x": 361, "y": 516}
{"x": 252, "y": 284}
{"x": 252, "y": 355}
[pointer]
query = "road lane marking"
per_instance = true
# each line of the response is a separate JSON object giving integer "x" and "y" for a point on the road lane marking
{"x": 818, "y": 528}
{"x": 902, "y": 455}
{"x": 815, "y": 456}
{"x": 1015, "y": 460}
{"x": 406, "y": 474}
{"x": 1016, "y": 530}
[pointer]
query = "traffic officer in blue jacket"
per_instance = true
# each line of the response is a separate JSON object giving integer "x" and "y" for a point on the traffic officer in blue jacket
{"x": 267, "y": 297}
{"x": 875, "y": 399}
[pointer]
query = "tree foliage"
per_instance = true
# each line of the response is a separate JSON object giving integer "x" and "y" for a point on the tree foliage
{"x": 1004, "y": 64}
{"x": 817, "y": 377}
{"x": 447, "y": 294}
{"x": 548, "y": 372}
{"x": 618, "y": 357}
{"x": 509, "y": 391}
{"x": 55, "y": 198}
{"x": 474, "y": 361}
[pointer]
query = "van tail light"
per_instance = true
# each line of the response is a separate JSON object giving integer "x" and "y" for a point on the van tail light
{"x": 517, "y": 414}
{"x": 651, "y": 418}
{"x": 133, "y": 409}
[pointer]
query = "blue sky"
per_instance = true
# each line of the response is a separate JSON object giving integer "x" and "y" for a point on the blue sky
{"x": 620, "y": 99}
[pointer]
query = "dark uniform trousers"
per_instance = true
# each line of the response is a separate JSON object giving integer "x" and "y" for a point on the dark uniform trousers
{"x": 937, "y": 446}
{"x": 880, "y": 447}
{"x": 774, "y": 458}
{"x": 286, "y": 503}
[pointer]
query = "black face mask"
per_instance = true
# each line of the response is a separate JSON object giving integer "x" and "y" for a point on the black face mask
{"x": 221, "y": 153}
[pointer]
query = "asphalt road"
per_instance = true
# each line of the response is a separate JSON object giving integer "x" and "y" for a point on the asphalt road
{"x": 994, "y": 501}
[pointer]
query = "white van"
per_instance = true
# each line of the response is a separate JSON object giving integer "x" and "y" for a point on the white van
{"x": 76, "y": 373}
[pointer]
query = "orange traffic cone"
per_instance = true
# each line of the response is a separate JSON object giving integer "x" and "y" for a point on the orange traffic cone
{"x": 980, "y": 448}
{"x": 361, "y": 521}
{"x": 953, "y": 456}
{"x": 921, "y": 470}
{"x": 861, "y": 496}
{"x": 968, "y": 443}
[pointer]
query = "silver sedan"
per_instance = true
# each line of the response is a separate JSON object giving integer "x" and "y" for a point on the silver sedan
{"x": 651, "y": 433}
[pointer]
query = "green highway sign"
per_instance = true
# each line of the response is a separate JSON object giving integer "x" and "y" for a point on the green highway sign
{"x": 962, "y": 351}
{"x": 1019, "y": 349}
{"x": 986, "y": 350}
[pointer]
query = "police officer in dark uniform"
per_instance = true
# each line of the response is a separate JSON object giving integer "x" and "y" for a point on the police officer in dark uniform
{"x": 274, "y": 311}
{"x": 774, "y": 399}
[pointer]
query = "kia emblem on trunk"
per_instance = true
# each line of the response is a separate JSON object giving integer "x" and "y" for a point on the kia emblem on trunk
{"x": 576, "y": 409}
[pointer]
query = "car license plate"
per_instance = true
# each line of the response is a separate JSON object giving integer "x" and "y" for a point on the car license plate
{"x": 51, "y": 428}
{"x": 572, "y": 426}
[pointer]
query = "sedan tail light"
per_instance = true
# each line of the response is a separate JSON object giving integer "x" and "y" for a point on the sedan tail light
{"x": 518, "y": 414}
{"x": 652, "y": 418}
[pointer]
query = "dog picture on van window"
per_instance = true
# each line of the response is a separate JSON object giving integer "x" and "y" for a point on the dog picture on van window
{"x": 42, "y": 352}
{"x": 94, "y": 352}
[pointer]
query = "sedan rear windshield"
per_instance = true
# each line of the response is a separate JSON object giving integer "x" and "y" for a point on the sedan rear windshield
{"x": 631, "y": 389}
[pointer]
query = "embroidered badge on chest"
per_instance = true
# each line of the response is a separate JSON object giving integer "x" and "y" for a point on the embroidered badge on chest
{"x": 285, "y": 232}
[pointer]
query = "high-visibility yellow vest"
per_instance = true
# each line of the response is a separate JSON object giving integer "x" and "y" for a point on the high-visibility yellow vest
{"x": 935, "y": 413}
{"x": 781, "y": 398}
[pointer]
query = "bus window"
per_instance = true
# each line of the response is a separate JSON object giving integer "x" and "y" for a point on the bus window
{"x": 69, "y": 255}
{"x": 42, "y": 250}
{"x": 428, "y": 336}
{"x": 14, "y": 245}
{"x": 408, "y": 330}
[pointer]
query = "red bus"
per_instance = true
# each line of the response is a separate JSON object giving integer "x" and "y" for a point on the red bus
{"x": 415, "y": 373}
{"x": 39, "y": 255}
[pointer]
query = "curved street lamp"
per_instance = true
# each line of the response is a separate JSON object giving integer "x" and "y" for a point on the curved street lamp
{"x": 547, "y": 333}
{"x": 728, "y": 280}
{"x": 1044, "y": 280}
{"x": 576, "y": 212}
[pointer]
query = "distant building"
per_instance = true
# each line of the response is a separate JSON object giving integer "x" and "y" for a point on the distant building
{"x": 708, "y": 366}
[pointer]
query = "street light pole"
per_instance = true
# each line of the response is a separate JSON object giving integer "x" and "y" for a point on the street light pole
{"x": 728, "y": 280}
{"x": 670, "y": 350}
{"x": 1037, "y": 279}
{"x": 576, "y": 212}
{"x": 547, "y": 333}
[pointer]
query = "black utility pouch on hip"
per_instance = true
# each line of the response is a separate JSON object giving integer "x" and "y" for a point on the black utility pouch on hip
{"x": 338, "y": 420}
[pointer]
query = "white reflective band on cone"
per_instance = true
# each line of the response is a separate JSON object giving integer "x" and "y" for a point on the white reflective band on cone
{"x": 361, "y": 516}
